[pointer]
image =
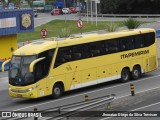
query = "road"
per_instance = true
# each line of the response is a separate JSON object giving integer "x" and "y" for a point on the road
{"x": 147, "y": 82}
{"x": 46, "y": 17}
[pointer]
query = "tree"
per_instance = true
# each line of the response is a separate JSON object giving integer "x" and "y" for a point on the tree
{"x": 30, "y": 3}
{"x": 130, "y": 6}
{"x": 110, "y": 6}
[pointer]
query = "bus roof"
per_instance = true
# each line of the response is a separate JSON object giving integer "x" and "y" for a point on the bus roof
{"x": 50, "y": 43}
{"x": 36, "y": 47}
{"x": 101, "y": 36}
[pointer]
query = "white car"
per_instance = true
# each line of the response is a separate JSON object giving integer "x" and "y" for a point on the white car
{"x": 66, "y": 10}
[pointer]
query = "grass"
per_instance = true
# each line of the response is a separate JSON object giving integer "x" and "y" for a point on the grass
{"x": 55, "y": 26}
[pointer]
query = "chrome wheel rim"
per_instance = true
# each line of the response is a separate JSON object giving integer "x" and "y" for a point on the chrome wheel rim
{"x": 125, "y": 76}
{"x": 57, "y": 91}
{"x": 136, "y": 73}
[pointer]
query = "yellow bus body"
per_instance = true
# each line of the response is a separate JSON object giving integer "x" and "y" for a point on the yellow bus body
{"x": 86, "y": 72}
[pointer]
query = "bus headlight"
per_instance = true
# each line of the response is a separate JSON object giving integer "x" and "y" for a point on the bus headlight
{"x": 32, "y": 88}
{"x": 23, "y": 91}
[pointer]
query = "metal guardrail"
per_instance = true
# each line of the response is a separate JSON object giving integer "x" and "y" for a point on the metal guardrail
{"x": 123, "y": 15}
{"x": 60, "y": 112}
{"x": 69, "y": 111}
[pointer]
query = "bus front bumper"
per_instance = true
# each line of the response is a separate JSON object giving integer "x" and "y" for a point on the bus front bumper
{"x": 23, "y": 93}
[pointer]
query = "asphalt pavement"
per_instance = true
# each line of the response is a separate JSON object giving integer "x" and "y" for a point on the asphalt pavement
{"x": 139, "y": 105}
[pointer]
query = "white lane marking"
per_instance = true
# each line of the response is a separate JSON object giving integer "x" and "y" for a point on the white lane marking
{"x": 138, "y": 92}
{"x": 137, "y": 108}
{"x": 85, "y": 93}
{"x": 146, "y": 106}
{"x": 3, "y": 78}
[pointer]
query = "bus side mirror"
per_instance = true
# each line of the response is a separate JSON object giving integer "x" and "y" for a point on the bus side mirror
{"x": 4, "y": 63}
{"x": 31, "y": 66}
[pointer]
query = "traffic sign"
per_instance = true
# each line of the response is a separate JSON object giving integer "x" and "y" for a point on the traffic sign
{"x": 80, "y": 23}
{"x": 43, "y": 33}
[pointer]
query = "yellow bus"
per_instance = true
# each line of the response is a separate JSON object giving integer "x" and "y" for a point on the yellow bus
{"x": 53, "y": 66}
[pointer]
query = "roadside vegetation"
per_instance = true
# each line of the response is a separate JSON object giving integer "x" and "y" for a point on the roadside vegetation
{"x": 64, "y": 32}
{"x": 111, "y": 27}
{"x": 54, "y": 27}
{"x": 132, "y": 23}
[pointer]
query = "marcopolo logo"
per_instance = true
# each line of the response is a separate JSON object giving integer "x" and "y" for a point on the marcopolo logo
{"x": 134, "y": 54}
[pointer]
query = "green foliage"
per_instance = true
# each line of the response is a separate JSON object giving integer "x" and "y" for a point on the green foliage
{"x": 111, "y": 27}
{"x": 30, "y": 3}
{"x": 130, "y": 6}
{"x": 53, "y": 28}
{"x": 64, "y": 33}
{"x": 132, "y": 23}
{"x": 110, "y": 6}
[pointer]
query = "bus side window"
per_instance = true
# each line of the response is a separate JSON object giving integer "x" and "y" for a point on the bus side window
{"x": 112, "y": 46}
{"x": 139, "y": 41}
{"x": 149, "y": 39}
{"x": 64, "y": 55}
{"x": 126, "y": 43}
{"x": 77, "y": 52}
{"x": 85, "y": 51}
{"x": 123, "y": 45}
{"x": 97, "y": 48}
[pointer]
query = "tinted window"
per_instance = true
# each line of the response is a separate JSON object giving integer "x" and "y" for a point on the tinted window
{"x": 42, "y": 67}
{"x": 112, "y": 46}
{"x": 85, "y": 51}
{"x": 97, "y": 48}
{"x": 149, "y": 39}
{"x": 126, "y": 43}
{"x": 64, "y": 55}
{"x": 139, "y": 41}
{"x": 77, "y": 52}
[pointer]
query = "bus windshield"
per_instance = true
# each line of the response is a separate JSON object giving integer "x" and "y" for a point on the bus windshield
{"x": 19, "y": 74}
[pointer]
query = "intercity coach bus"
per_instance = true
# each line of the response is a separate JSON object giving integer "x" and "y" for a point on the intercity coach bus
{"x": 53, "y": 66}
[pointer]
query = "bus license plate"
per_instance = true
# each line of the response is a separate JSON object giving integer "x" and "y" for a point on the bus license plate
{"x": 18, "y": 95}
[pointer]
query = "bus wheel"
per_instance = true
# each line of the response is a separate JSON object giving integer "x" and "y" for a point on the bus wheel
{"x": 125, "y": 75}
{"x": 57, "y": 91}
{"x": 136, "y": 72}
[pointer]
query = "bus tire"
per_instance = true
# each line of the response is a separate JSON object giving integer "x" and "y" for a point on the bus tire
{"x": 57, "y": 91}
{"x": 125, "y": 75}
{"x": 136, "y": 72}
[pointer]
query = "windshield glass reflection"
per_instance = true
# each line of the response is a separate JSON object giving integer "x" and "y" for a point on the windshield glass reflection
{"x": 19, "y": 70}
